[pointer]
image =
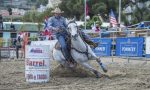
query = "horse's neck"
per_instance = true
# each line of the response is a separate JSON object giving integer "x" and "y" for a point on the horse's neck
{"x": 79, "y": 44}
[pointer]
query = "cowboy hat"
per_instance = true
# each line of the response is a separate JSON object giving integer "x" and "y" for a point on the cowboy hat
{"x": 57, "y": 10}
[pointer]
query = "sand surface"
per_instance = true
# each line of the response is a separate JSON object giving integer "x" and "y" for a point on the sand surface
{"x": 134, "y": 75}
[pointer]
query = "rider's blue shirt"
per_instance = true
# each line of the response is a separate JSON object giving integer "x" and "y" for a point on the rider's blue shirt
{"x": 57, "y": 22}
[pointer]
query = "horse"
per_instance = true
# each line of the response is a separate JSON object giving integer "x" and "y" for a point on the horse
{"x": 80, "y": 51}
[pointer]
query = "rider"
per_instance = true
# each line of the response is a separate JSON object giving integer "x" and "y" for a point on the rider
{"x": 58, "y": 25}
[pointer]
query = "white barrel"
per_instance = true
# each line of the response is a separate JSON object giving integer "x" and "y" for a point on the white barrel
{"x": 37, "y": 64}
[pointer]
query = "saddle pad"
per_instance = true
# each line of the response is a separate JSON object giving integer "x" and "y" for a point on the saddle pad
{"x": 58, "y": 46}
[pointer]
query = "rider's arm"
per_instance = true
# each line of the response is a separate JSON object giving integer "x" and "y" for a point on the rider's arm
{"x": 50, "y": 24}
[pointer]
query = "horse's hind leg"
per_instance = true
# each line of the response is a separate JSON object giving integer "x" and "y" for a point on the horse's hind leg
{"x": 87, "y": 66}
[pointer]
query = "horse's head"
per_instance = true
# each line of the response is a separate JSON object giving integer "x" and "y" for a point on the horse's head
{"x": 73, "y": 29}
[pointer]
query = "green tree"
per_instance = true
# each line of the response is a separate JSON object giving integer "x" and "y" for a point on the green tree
{"x": 75, "y": 8}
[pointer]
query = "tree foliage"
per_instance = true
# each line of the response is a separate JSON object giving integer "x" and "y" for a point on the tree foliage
{"x": 75, "y": 8}
{"x": 34, "y": 16}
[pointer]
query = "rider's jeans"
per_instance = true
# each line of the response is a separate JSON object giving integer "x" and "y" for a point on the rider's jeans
{"x": 61, "y": 40}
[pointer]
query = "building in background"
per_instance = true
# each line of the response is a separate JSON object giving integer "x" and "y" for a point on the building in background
{"x": 53, "y": 3}
{"x": 15, "y": 3}
{"x": 8, "y": 34}
{"x": 41, "y": 8}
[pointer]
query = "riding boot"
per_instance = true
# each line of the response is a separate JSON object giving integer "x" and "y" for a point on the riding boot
{"x": 91, "y": 43}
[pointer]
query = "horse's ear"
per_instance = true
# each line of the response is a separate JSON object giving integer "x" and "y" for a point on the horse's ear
{"x": 74, "y": 19}
{"x": 67, "y": 20}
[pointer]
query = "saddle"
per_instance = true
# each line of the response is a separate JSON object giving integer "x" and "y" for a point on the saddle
{"x": 58, "y": 46}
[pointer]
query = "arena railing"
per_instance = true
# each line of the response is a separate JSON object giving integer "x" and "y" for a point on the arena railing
{"x": 131, "y": 32}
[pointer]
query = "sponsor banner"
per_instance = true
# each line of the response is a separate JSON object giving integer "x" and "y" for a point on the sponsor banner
{"x": 131, "y": 46}
{"x": 36, "y": 64}
{"x": 147, "y": 46}
{"x": 37, "y": 76}
{"x": 104, "y": 47}
{"x": 40, "y": 51}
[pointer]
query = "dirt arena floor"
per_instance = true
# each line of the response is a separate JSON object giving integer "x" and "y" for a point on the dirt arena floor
{"x": 134, "y": 75}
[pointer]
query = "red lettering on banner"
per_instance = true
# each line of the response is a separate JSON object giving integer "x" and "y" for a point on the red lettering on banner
{"x": 35, "y": 63}
{"x": 41, "y": 76}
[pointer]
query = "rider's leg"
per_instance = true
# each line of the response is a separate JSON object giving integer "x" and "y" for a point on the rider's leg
{"x": 61, "y": 40}
{"x": 91, "y": 43}
{"x": 86, "y": 38}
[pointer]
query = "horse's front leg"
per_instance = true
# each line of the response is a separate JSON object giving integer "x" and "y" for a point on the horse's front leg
{"x": 93, "y": 56}
{"x": 101, "y": 64}
{"x": 87, "y": 66}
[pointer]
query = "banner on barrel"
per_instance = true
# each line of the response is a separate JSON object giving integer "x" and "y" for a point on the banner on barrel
{"x": 39, "y": 51}
{"x": 37, "y": 76}
{"x": 37, "y": 63}
{"x": 131, "y": 46}
{"x": 104, "y": 46}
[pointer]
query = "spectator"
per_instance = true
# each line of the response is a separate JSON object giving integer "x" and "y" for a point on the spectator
{"x": 18, "y": 46}
{"x": 12, "y": 26}
{"x": 1, "y": 22}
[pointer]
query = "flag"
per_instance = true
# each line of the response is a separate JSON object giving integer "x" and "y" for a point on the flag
{"x": 46, "y": 30}
{"x": 112, "y": 19}
{"x": 87, "y": 9}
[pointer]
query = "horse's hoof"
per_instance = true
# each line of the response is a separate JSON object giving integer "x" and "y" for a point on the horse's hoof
{"x": 71, "y": 65}
{"x": 97, "y": 74}
{"x": 105, "y": 70}
{"x": 62, "y": 66}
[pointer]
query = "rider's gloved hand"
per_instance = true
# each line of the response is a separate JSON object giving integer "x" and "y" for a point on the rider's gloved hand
{"x": 56, "y": 29}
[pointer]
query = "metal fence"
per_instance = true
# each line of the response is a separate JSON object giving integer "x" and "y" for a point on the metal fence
{"x": 8, "y": 50}
{"x": 128, "y": 33}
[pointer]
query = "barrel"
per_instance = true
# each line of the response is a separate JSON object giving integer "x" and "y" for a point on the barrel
{"x": 37, "y": 63}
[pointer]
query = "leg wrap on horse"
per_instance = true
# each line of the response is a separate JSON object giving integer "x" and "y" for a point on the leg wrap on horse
{"x": 102, "y": 66}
